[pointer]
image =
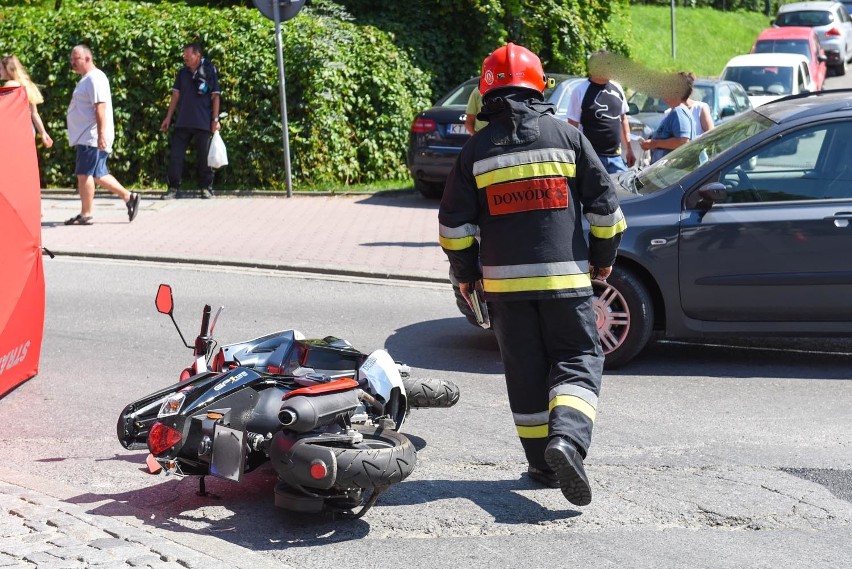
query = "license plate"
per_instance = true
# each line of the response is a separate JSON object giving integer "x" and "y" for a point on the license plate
{"x": 456, "y": 128}
{"x": 229, "y": 453}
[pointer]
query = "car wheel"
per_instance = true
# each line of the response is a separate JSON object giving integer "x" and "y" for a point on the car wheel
{"x": 840, "y": 69}
{"x": 625, "y": 316}
{"x": 431, "y": 190}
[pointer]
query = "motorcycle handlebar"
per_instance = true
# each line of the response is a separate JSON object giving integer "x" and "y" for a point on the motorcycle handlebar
{"x": 201, "y": 342}
{"x": 205, "y": 321}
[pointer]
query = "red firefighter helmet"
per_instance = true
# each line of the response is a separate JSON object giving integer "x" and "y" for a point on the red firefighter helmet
{"x": 511, "y": 66}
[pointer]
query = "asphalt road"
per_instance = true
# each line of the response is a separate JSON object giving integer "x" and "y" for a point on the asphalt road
{"x": 703, "y": 456}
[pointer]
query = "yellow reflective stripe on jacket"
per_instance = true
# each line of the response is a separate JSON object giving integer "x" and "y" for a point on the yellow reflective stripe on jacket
{"x": 456, "y": 238}
{"x": 536, "y": 432}
{"x": 457, "y": 244}
{"x": 524, "y": 157}
{"x": 524, "y": 171}
{"x": 607, "y": 226}
{"x": 608, "y": 232}
{"x": 525, "y": 284}
{"x": 576, "y": 403}
{"x": 535, "y": 269}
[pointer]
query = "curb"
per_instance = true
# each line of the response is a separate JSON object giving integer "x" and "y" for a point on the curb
{"x": 250, "y": 265}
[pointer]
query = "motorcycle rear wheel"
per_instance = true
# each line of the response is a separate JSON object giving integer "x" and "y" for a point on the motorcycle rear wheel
{"x": 383, "y": 458}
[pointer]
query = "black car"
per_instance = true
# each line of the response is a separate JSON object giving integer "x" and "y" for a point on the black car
{"x": 742, "y": 231}
{"x": 437, "y": 134}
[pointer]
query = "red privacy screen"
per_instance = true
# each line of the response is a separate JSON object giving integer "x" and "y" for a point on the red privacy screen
{"x": 21, "y": 271}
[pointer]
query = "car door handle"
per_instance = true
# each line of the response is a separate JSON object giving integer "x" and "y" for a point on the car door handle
{"x": 841, "y": 218}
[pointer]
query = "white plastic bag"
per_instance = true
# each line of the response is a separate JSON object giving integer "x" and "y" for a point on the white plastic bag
{"x": 217, "y": 156}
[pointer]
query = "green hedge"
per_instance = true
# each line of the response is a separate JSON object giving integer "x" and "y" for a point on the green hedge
{"x": 351, "y": 94}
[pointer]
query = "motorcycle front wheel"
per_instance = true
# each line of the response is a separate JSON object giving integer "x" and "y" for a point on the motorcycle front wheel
{"x": 384, "y": 457}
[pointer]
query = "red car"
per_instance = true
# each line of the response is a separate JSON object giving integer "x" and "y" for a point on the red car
{"x": 795, "y": 39}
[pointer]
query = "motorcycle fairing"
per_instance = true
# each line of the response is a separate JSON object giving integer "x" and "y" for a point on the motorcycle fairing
{"x": 260, "y": 353}
{"x": 381, "y": 373}
{"x": 136, "y": 418}
{"x": 225, "y": 383}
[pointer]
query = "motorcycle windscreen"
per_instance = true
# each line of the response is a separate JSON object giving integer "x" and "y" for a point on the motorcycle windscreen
{"x": 22, "y": 283}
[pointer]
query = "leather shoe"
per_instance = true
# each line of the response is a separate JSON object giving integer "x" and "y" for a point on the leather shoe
{"x": 544, "y": 477}
{"x": 562, "y": 456}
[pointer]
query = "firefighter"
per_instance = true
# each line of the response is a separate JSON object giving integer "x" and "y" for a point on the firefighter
{"x": 522, "y": 183}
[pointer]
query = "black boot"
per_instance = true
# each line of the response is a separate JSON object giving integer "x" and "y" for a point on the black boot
{"x": 562, "y": 456}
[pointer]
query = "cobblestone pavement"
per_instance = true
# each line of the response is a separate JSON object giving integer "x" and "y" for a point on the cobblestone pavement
{"x": 40, "y": 531}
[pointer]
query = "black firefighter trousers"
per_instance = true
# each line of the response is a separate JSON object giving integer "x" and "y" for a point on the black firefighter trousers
{"x": 553, "y": 363}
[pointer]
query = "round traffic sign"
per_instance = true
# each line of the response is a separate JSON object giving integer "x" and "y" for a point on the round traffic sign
{"x": 287, "y": 8}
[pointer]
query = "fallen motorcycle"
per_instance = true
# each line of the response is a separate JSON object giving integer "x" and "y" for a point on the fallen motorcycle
{"x": 326, "y": 415}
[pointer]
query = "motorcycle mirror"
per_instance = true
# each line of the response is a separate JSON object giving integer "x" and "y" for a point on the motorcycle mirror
{"x": 215, "y": 319}
{"x": 165, "y": 305}
{"x": 164, "y": 302}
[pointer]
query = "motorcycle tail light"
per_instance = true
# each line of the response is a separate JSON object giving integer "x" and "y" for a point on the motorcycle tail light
{"x": 161, "y": 438}
{"x": 172, "y": 405}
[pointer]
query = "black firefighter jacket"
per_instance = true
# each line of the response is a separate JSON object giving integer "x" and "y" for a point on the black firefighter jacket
{"x": 522, "y": 183}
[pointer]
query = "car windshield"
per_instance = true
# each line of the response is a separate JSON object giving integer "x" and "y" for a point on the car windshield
{"x": 810, "y": 18}
{"x": 762, "y": 80}
{"x": 647, "y": 103}
{"x": 459, "y": 95}
{"x": 684, "y": 160}
{"x": 703, "y": 93}
{"x": 783, "y": 46}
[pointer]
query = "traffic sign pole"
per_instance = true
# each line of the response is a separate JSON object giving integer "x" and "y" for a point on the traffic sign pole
{"x": 278, "y": 11}
{"x": 288, "y": 181}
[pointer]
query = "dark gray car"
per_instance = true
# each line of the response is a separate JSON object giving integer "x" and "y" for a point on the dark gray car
{"x": 742, "y": 231}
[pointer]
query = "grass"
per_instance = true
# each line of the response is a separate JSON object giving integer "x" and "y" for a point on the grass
{"x": 705, "y": 39}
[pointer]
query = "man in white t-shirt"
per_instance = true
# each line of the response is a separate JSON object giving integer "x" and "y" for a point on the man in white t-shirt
{"x": 91, "y": 131}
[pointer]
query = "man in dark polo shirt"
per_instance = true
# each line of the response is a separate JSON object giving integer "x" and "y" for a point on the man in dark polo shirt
{"x": 195, "y": 95}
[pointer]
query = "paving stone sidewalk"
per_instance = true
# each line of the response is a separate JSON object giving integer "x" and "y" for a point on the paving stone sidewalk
{"x": 37, "y": 530}
{"x": 393, "y": 234}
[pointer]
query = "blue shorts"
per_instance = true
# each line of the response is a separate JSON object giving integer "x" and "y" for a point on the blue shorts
{"x": 613, "y": 164}
{"x": 91, "y": 161}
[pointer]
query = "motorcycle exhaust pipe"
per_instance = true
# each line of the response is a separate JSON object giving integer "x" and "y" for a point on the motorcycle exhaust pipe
{"x": 304, "y": 413}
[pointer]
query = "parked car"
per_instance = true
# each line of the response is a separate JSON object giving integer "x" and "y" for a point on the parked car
{"x": 437, "y": 134}
{"x": 726, "y": 99}
{"x": 742, "y": 231}
{"x": 831, "y": 22}
{"x": 769, "y": 76}
{"x": 795, "y": 39}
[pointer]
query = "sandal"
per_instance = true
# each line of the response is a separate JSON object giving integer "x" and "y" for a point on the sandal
{"x": 80, "y": 220}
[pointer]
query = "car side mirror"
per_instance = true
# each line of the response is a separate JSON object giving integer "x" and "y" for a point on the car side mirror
{"x": 709, "y": 194}
{"x": 632, "y": 108}
{"x": 728, "y": 112}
